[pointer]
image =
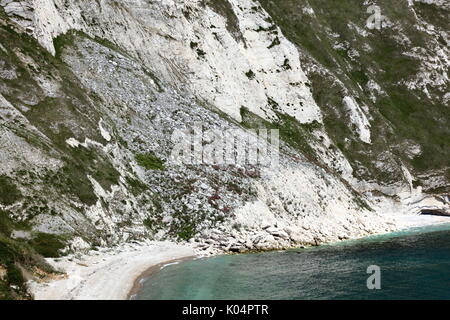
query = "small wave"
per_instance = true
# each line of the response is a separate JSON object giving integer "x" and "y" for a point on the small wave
{"x": 169, "y": 264}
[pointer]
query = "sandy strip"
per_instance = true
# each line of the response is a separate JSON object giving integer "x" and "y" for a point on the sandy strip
{"x": 108, "y": 274}
{"x": 416, "y": 221}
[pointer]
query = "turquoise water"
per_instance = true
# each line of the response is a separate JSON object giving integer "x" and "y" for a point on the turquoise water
{"x": 414, "y": 265}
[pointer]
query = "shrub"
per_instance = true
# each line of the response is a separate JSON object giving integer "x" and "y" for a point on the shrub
{"x": 186, "y": 232}
{"x": 148, "y": 223}
{"x": 5, "y": 223}
{"x": 8, "y": 191}
{"x": 47, "y": 245}
{"x": 250, "y": 74}
{"x": 15, "y": 275}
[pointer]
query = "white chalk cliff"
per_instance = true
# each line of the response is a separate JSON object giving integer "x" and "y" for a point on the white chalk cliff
{"x": 86, "y": 86}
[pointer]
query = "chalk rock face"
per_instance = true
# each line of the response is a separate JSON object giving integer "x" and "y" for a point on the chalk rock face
{"x": 358, "y": 119}
{"x": 92, "y": 93}
{"x": 228, "y": 53}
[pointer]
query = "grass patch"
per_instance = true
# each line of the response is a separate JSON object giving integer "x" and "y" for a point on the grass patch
{"x": 149, "y": 161}
{"x": 137, "y": 186}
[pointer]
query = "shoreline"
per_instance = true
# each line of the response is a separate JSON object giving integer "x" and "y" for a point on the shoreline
{"x": 138, "y": 282}
{"x": 117, "y": 273}
{"x": 405, "y": 222}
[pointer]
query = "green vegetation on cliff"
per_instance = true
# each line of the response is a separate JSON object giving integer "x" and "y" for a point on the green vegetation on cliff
{"x": 400, "y": 115}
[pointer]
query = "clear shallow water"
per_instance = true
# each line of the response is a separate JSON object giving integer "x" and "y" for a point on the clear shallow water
{"x": 414, "y": 265}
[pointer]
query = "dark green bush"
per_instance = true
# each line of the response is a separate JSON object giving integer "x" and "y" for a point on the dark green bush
{"x": 15, "y": 276}
{"x": 47, "y": 245}
{"x": 8, "y": 191}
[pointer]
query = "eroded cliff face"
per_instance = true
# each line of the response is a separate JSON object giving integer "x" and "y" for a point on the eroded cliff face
{"x": 389, "y": 85}
{"x": 91, "y": 92}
